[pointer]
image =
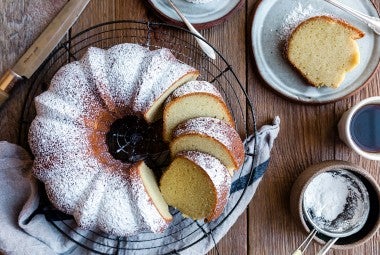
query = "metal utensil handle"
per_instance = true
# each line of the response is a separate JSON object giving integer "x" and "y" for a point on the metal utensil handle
{"x": 327, "y": 246}
{"x": 372, "y": 22}
{"x": 305, "y": 243}
{"x": 204, "y": 46}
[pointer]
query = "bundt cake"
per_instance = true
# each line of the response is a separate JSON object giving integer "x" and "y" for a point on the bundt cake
{"x": 191, "y": 100}
{"x": 323, "y": 49}
{"x": 68, "y": 136}
{"x": 52, "y": 106}
{"x": 139, "y": 81}
{"x": 197, "y": 184}
{"x": 211, "y": 136}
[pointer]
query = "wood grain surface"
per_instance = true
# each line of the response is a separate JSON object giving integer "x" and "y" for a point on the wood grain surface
{"x": 308, "y": 133}
{"x": 20, "y": 24}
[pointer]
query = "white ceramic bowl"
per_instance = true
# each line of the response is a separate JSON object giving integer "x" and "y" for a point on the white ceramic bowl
{"x": 199, "y": 1}
{"x": 344, "y": 128}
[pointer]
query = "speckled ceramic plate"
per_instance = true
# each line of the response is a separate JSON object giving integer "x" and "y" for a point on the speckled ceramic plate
{"x": 200, "y": 15}
{"x": 273, "y": 21}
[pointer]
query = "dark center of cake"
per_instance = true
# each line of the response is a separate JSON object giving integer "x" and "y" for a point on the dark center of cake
{"x": 132, "y": 139}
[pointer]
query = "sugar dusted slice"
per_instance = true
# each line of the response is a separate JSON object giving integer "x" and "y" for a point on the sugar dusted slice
{"x": 323, "y": 49}
{"x": 212, "y": 136}
{"x": 191, "y": 100}
{"x": 197, "y": 184}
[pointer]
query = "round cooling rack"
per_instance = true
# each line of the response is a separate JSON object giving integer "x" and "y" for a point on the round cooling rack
{"x": 183, "y": 233}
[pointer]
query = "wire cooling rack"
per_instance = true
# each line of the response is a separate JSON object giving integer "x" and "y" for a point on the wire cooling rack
{"x": 153, "y": 35}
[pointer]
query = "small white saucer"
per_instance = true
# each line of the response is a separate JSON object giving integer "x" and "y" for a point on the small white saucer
{"x": 200, "y": 15}
{"x": 273, "y": 22}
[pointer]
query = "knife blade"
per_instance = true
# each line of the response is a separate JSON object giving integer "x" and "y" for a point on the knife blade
{"x": 42, "y": 47}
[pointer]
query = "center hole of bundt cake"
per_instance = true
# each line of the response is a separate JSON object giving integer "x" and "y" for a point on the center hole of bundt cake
{"x": 132, "y": 139}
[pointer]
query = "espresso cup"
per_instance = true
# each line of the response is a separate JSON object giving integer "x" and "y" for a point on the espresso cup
{"x": 359, "y": 128}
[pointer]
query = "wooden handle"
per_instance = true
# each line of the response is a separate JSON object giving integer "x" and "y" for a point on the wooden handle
{"x": 3, "y": 97}
{"x": 7, "y": 82}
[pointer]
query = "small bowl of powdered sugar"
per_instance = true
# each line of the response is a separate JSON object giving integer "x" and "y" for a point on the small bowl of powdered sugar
{"x": 339, "y": 199}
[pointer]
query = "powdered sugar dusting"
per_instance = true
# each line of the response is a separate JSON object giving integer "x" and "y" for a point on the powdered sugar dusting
{"x": 50, "y": 106}
{"x": 86, "y": 213}
{"x": 173, "y": 71}
{"x": 336, "y": 201}
{"x": 95, "y": 61}
{"x": 326, "y": 195}
{"x": 217, "y": 131}
{"x": 212, "y": 166}
{"x": 52, "y": 137}
{"x": 73, "y": 84}
{"x": 124, "y": 63}
{"x": 210, "y": 127}
{"x": 195, "y": 87}
{"x": 116, "y": 214}
{"x": 66, "y": 180}
{"x": 149, "y": 213}
{"x": 75, "y": 180}
{"x": 150, "y": 85}
{"x": 294, "y": 18}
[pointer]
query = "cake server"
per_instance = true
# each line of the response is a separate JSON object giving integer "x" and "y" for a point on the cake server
{"x": 204, "y": 46}
{"x": 372, "y": 22}
{"x": 42, "y": 47}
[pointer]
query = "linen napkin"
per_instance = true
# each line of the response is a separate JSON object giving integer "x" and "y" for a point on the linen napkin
{"x": 29, "y": 227}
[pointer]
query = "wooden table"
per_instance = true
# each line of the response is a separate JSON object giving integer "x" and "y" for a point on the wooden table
{"x": 308, "y": 133}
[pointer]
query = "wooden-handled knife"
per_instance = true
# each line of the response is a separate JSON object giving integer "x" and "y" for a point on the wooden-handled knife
{"x": 42, "y": 47}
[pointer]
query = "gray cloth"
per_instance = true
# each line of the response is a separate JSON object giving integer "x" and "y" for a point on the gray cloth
{"x": 27, "y": 227}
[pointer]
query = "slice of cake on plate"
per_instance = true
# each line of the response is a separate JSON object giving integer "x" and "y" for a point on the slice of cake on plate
{"x": 323, "y": 49}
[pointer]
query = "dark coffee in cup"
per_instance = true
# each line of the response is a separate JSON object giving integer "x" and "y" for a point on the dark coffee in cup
{"x": 365, "y": 128}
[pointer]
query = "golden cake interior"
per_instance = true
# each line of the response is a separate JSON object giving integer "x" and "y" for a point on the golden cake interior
{"x": 196, "y": 142}
{"x": 324, "y": 49}
{"x": 151, "y": 186}
{"x": 185, "y": 186}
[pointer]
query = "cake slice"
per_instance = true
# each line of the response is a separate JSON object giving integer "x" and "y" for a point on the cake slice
{"x": 161, "y": 73}
{"x": 148, "y": 200}
{"x": 323, "y": 49}
{"x": 191, "y": 100}
{"x": 197, "y": 184}
{"x": 211, "y": 136}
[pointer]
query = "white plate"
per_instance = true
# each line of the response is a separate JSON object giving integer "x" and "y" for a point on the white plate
{"x": 273, "y": 22}
{"x": 205, "y": 15}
